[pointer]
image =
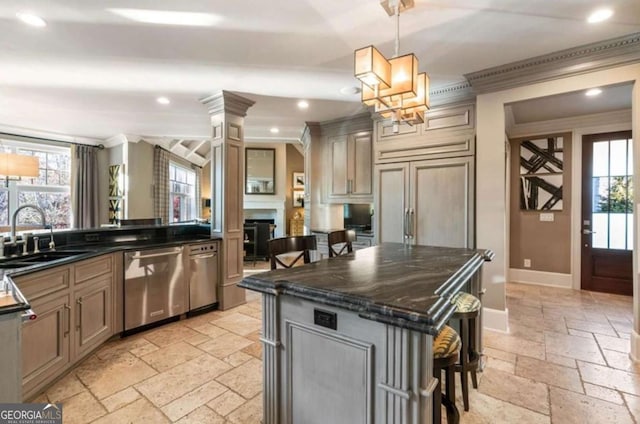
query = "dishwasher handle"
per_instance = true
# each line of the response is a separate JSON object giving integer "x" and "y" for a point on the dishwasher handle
{"x": 204, "y": 256}
{"x": 154, "y": 255}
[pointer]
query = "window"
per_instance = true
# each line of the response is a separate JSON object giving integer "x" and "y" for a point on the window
{"x": 182, "y": 193}
{"x": 50, "y": 190}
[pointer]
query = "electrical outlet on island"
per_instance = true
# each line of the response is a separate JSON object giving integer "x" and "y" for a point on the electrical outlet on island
{"x": 527, "y": 263}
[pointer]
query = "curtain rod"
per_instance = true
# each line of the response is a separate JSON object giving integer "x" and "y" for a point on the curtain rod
{"x": 99, "y": 146}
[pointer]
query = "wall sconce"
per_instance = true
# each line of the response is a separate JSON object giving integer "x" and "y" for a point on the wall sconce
{"x": 12, "y": 165}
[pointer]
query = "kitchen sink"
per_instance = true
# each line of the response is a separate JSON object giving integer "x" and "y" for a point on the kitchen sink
{"x": 39, "y": 258}
{"x": 50, "y": 256}
{"x": 15, "y": 264}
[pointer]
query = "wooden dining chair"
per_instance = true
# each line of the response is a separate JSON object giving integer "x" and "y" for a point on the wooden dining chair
{"x": 344, "y": 237}
{"x": 293, "y": 244}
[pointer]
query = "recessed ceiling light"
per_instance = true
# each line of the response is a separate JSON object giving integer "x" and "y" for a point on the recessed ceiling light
{"x": 350, "y": 90}
{"x": 163, "y": 100}
{"x": 274, "y": 130}
{"x": 593, "y": 92}
{"x": 166, "y": 17}
{"x": 600, "y": 15}
{"x": 31, "y": 19}
{"x": 303, "y": 104}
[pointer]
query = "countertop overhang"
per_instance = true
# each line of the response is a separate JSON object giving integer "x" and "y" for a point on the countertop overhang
{"x": 402, "y": 285}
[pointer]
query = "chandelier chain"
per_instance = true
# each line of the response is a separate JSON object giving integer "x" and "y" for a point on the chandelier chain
{"x": 397, "y": 29}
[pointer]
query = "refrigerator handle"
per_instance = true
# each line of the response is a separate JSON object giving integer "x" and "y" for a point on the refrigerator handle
{"x": 405, "y": 224}
{"x": 412, "y": 223}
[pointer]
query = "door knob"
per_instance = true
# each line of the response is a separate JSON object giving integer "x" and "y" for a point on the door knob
{"x": 587, "y": 232}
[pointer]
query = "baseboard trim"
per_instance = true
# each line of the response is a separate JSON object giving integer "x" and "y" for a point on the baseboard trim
{"x": 540, "y": 278}
{"x": 495, "y": 319}
{"x": 634, "y": 354}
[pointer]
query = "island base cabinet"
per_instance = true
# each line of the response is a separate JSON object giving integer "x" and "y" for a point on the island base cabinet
{"x": 327, "y": 365}
{"x": 46, "y": 343}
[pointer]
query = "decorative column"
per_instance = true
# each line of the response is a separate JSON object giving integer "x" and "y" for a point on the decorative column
{"x": 227, "y": 111}
{"x": 635, "y": 128}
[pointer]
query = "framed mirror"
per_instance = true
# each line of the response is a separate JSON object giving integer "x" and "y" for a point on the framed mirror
{"x": 259, "y": 171}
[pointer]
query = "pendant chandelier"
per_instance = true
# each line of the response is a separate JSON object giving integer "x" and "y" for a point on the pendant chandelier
{"x": 393, "y": 86}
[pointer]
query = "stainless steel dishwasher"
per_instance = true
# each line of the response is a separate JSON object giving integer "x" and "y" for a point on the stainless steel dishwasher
{"x": 154, "y": 286}
{"x": 203, "y": 275}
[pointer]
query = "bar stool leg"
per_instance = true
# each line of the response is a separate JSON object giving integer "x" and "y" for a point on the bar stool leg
{"x": 453, "y": 417}
{"x": 464, "y": 362}
{"x": 437, "y": 397}
{"x": 473, "y": 352}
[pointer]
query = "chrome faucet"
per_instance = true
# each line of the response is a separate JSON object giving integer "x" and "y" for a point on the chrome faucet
{"x": 15, "y": 216}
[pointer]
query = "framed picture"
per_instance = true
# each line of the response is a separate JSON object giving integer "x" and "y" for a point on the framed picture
{"x": 541, "y": 168}
{"x": 298, "y": 180}
{"x": 298, "y": 198}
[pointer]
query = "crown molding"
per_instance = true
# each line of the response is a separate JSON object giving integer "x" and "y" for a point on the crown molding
{"x": 226, "y": 101}
{"x": 48, "y": 135}
{"x": 115, "y": 140}
{"x": 452, "y": 93}
{"x": 347, "y": 124}
{"x": 561, "y": 64}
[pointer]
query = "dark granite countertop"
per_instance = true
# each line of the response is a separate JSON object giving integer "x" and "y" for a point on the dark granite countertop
{"x": 405, "y": 286}
{"x": 109, "y": 240}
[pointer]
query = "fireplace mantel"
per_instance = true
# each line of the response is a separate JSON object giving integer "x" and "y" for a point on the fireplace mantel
{"x": 268, "y": 209}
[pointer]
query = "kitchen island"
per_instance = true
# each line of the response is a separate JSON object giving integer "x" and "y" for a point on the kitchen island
{"x": 349, "y": 339}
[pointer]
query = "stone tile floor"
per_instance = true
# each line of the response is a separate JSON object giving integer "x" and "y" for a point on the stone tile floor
{"x": 565, "y": 360}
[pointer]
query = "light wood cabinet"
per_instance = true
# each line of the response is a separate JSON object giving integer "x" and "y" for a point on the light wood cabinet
{"x": 424, "y": 179}
{"x": 46, "y": 342}
{"x": 75, "y": 306}
{"x": 426, "y": 202}
{"x": 350, "y": 167}
{"x": 93, "y": 315}
{"x": 448, "y": 131}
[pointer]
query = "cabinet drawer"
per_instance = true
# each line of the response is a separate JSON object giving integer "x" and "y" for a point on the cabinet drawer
{"x": 42, "y": 283}
{"x": 91, "y": 268}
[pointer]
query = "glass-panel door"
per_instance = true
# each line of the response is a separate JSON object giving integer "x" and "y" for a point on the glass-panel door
{"x": 607, "y": 212}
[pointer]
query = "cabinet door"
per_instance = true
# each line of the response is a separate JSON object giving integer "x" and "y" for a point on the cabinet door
{"x": 46, "y": 343}
{"x": 338, "y": 161}
{"x": 361, "y": 161}
{"x": 392, "y": 185}
{"x": 442, "y": 202}
{"x": 93, "y": 307}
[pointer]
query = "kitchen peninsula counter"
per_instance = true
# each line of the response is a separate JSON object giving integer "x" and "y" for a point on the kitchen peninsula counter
{"x": 349, "y": 338}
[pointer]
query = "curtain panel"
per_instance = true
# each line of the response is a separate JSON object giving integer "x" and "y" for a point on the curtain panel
{"x": 198, "y": 193}
{"x": 84, "y": 186}
{"x": 161, "y": 159}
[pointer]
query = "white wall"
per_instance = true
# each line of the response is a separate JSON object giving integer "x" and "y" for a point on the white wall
{"x": 491, "y": 210}
{"x": 272, "y": 201}
{"x": 139, "y": 169}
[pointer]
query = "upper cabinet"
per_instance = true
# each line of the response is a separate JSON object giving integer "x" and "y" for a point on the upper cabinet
{"x": 348, "y": 162}
{"x": 350, "y": 166}
{"x": 448, "y": 131}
